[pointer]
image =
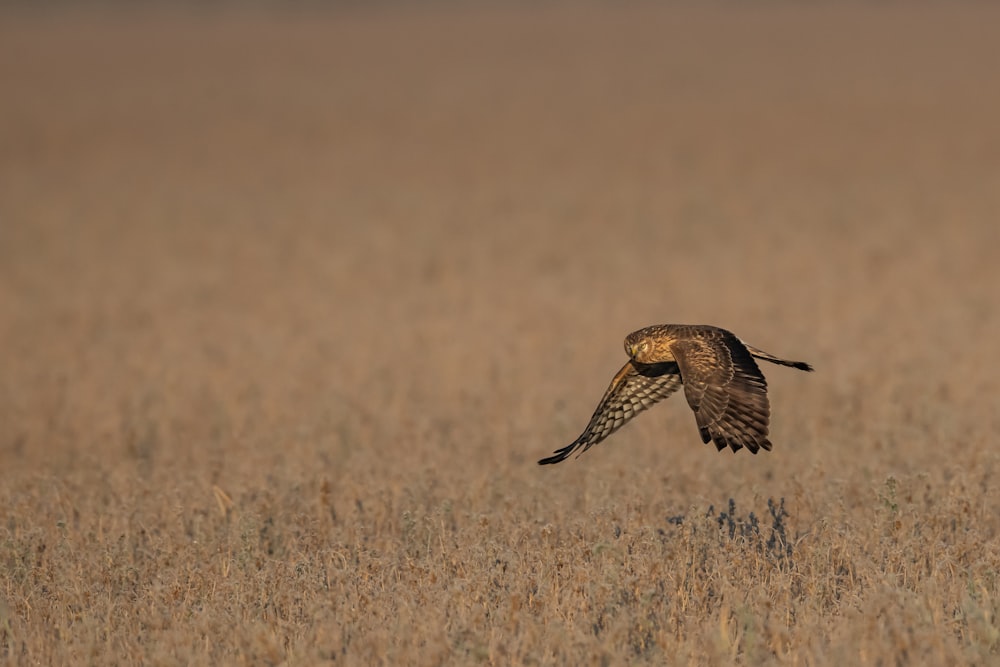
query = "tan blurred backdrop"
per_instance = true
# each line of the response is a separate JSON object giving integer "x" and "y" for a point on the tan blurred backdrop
{"x": 394, "y": 252}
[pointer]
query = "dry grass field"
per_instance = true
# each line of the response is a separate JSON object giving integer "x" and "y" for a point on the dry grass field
{"x": 291, "y": 301}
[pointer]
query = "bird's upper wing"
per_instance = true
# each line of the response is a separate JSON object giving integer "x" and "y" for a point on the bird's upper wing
{"x": 634, "y": 388}
{"x": 726, "y": 390}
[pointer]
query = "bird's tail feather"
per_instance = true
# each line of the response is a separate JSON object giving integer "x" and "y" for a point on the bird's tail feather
{"x": 761, "y": 354}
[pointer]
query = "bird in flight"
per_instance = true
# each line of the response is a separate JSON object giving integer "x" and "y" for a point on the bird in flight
{"x": 722, "y": 384}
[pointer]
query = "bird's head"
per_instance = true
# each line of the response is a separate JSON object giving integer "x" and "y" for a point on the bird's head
{"x": 639, "y": 348}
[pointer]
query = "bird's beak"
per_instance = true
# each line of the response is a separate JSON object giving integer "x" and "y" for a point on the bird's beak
{"x": 631, "y": 350}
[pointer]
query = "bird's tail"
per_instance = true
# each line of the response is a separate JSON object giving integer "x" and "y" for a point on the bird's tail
{"x": 761, "y": 354}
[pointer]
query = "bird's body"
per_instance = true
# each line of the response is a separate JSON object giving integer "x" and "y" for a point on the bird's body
{"x": 722, "y": 384}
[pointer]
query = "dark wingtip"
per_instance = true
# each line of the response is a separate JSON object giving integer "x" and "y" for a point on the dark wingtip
{"x": 802, "y": 366}
{"x": 560, "y": 455}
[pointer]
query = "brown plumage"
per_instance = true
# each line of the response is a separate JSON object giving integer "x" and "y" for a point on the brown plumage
{"x": 722, "y": 384}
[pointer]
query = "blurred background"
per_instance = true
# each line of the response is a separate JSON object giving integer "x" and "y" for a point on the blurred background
{"x": 236, "y": 227}
{"x": 353, "y": 263}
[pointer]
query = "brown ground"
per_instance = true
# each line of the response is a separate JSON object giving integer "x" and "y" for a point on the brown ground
{"x": 291, "y": 303}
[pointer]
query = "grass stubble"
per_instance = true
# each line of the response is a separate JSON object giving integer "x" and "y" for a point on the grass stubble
{"x": 237, "y": 425}
{"x": 285, "y": 573}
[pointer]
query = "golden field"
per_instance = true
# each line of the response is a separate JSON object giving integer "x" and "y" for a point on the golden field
{"x": 291, "y": 301}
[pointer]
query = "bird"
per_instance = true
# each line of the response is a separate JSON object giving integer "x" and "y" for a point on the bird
{"x": 722, "y": 383}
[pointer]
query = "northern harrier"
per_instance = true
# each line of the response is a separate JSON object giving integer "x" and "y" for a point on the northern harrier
{"x": 722, "y": 384}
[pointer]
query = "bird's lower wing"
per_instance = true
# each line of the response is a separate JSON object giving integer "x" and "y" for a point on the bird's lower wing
{"x": 726, "y": 391}
{"x": 635, "y": 388}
